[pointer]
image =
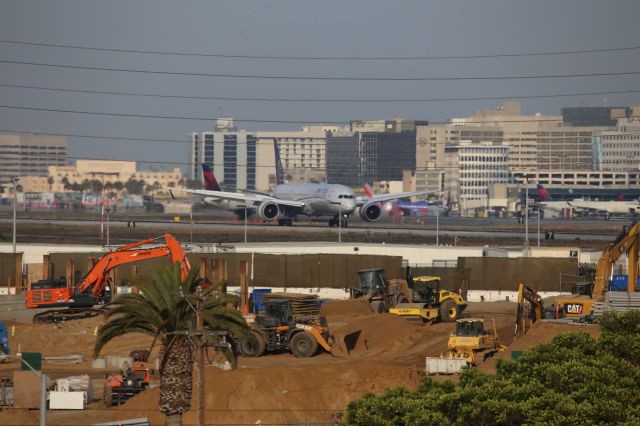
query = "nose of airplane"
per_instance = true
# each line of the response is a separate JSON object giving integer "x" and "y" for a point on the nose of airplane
{"x": 350, "y": 204}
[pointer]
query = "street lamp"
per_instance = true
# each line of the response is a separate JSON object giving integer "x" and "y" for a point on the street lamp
{"x": 14, "y": 180}
{"x": 107, "y": 210}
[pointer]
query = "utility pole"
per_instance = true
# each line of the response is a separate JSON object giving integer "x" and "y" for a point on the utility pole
{"x": 201, "y": 349}
{"x": 14, "y": 180}
{"x": 108, "y": 210}
{"x": 340, "y": 223}
{"x": 526, "y": 218}
{"x": 538, "y": 226}
{"x": 437, "y": 225}
{"x": 245, "y": 222}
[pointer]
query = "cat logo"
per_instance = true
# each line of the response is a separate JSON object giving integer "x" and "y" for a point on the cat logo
{"x": 573, "y": 308}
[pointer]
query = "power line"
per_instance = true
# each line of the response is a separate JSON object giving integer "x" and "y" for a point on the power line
{"x": 323, "y": 58}
{"x": 322, "y": 78}
{"x": 243, "y": 120}
{"x": 346, "y": 100}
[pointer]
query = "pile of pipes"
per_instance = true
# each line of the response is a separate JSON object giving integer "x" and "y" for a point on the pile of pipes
{"x": 618, "y": 301}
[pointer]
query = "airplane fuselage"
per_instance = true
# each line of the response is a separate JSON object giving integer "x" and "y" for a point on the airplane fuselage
{"x": 321, "y": 199}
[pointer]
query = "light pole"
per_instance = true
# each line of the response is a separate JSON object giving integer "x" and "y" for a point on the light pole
{"x": 14, "y": 180}
{"x": 107, "y": 210}
{"x": 245, "y": 223}
{"x": 526, "y": 218}
{"x": 191, "y": 228}
{"x": 538, "y": 226}
{"x": 437, "y": 225}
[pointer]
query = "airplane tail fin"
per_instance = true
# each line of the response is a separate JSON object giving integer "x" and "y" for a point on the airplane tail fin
{"x": 368, "y": 191}
{"x": 279, "y": 170}
{"x": 543, "y": 194}
{"x": 210, "y": 182}
{"x": 620, "y": 197}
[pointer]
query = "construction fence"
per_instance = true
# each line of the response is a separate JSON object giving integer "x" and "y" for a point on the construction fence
{"x": 10, "y": 272}
{"x": 262, "y": 270}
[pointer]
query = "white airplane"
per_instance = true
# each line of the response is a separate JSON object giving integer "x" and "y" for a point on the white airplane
{"x": 289, "y": 200}
{"x": 580, "y": 206}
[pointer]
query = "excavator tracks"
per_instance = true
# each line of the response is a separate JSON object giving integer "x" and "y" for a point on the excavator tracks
{"x": 59, "y": 315}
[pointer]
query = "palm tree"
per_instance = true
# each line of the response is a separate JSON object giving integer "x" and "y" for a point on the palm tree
{"x": 50, "y": 181}
{"x": 163, "y": 309}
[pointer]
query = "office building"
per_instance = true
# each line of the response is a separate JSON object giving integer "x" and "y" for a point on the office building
{"x": 30, "y": 154}
{"x": 594, "y": 116}
{"x": 618, "y": 150}
{"x": 371, "y": 151}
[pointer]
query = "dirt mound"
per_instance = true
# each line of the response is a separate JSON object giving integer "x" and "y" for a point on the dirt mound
{"x": 540, "y": 332}
{"x": 341, "y": 308}
{"x": 285, "y": 394}
{"x": 377, "y": 334}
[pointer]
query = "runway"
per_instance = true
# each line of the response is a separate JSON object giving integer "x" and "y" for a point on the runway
{"x": 589, "y": 230}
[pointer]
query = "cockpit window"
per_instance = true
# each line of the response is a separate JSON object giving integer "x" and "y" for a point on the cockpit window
{"x": 350, "y": 197}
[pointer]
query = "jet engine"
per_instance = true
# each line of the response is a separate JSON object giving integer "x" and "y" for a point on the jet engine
{"x": 268, "y": 211}
{"x": 370, "y": 212}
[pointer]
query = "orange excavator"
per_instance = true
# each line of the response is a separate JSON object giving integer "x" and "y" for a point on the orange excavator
{"x": 95, "y": 287}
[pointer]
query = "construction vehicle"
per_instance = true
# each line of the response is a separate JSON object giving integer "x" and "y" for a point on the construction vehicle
{"x": 626, "y": 243}
{"x": 469, "y": 339}
{"x": 118, "y": 388}
{"x": 415, "y": 297}
{"x": 283, "y": 327}
{"x": 95, "y": 287}
{"x": 527, "y": 315}
{"x": 375, "y": 288}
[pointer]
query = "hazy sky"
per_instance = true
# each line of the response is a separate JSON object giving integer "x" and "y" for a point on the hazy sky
{"x": 298, "y": 28}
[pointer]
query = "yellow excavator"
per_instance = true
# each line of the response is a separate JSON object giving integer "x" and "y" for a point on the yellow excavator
{"x": 525, "y": 316}
{"x": 627, "y": 243}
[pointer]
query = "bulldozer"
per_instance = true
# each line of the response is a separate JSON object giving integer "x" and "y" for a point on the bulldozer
{"x": 131, "y": 381}
{"x": 289, "y": 323}
{"x": 471, "y": 338}
{"x": 414, "y": 298}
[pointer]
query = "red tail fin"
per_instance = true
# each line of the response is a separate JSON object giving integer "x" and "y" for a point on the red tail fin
{"x": 210, "y": 182}
{"x": 368, "y": 191}
{"x": 543, "y": 194}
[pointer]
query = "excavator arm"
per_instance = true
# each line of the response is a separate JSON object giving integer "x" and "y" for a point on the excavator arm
{"x": 96, "y": 279}
{"x": 537, "y": 307}
{"x": 627, "y": 243}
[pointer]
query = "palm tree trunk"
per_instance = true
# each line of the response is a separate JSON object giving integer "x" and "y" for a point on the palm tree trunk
{"x": 176, "y": 381}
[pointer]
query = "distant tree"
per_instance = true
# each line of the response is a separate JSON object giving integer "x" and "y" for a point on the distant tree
{"x": 19, "y": 188}
{"x": 108, "y": 186}
{"x": 86, "y": 185}
{"x": 172, "y": 184}
{"x": 181, "y": 182}
{"x": 65, "y": 182}
{"x": 50, "y": 181}
{"x": 96, "y": 186}
{"x": 134, "y": 186}
{"x": 118, "y": 186}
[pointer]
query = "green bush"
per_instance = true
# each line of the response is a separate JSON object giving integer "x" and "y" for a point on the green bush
{"x": 574, "y": 379}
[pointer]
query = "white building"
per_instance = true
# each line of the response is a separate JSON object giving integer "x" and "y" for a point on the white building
{"x": 478, "y": 166}
{"x": 618, "y": 150}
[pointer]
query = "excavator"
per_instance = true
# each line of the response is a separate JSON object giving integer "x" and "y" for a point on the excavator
{"x": 523, "y": 321}
{"x": 627, "y": 243}
{"x": 95, "y": 287}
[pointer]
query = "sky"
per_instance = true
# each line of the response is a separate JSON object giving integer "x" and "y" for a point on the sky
{"x": 295, "y": 28}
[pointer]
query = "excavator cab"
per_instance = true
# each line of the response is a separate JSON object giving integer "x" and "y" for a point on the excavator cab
{"x": 277, "y": 313}
{"x": 373, "y": 282}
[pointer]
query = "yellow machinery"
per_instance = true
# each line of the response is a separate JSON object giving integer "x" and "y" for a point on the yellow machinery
{"x": 417, "y": 297}
{"x": 627, "y": 243}
{"x": 525, "y": 317}
{"x": 470, "y": 338}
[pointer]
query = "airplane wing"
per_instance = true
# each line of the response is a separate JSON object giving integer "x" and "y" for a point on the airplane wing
{"x": 388, "y": 197}
{"x": 249, "y": 199}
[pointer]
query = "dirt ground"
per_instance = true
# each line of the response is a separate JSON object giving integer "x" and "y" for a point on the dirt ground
{"x": 276, "y": 388}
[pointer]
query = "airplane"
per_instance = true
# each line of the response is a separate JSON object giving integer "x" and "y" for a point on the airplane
{"x": 409, "y": 208}
{"x": 289, "y": 200}
{"x": 581, "y": 206}
{"x": 549, "y": 206}
{"x": 211, "y": 184}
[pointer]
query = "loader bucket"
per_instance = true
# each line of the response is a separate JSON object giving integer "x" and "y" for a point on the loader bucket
{"x": 344, "y": 344}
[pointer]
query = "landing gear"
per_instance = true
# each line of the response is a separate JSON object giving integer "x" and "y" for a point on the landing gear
{"x": 337, "y": 223}
{"x": 285, "y": 222}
